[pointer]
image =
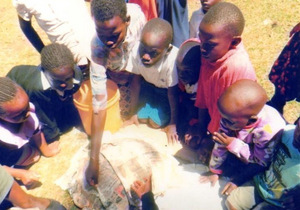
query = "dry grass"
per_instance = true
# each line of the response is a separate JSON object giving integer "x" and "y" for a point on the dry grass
{"x": 263, "y": 40}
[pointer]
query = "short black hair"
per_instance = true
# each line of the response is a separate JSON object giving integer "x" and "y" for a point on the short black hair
{"x": 8, "y": 91}
{"x": 227, "y": 15}
{"x": 56, "y": 55}
{"x": 104, "y": 10}
{"x": 159, "y": 27}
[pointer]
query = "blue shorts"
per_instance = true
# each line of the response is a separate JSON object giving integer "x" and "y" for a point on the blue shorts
{"x": 154, "y": 104}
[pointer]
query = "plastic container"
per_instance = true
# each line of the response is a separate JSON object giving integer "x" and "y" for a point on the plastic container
{"x": 83, "y": 102}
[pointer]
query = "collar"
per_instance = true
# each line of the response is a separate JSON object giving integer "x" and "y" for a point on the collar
{"x": 76, "y": 80}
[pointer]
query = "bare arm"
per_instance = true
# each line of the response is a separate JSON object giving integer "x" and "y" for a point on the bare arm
{"x": 31, "y": 34}
{"x": 173, "y": 101}
{"x": 98, "y": 122}
{"x": 26, "y": 176}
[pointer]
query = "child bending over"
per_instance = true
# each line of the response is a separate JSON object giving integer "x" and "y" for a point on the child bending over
{"x": 224, "y": 60}
{"x": 155, "y": 84}
{"x": 278, "y": 187}
{"x": 188, "y": 64}
{"x": 21, "y": 140}
{"x": 118, "y": 27}
{"x": 249, "y": 132}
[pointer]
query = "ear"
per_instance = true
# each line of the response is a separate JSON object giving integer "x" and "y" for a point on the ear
{"x": 252, "y": 119}
{"x": 128, "y": 18}
{"x": 235, "y": 41}
{"x": 170, "y": 47}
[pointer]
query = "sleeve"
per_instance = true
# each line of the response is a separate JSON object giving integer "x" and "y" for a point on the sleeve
{"x": 148, "y": 202}
{"x": 173, "y": 73}
{"x": 218, "y": 156}
{"x": 6, "y": 182}
{"x": 239, "y": 149}
{"x": 23, "y": 9}
{"x": 98, "y": 75}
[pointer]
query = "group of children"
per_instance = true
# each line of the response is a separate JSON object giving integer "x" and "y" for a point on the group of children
{"x": 204, "y": 94}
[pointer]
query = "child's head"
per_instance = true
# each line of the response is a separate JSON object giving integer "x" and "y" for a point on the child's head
{"x": 155, "y": 41}
{"x": 220, "y": 30}
{"x": 188, "y": 62}
{"x": 207, "y": 4}
{"x": 111, "y": 21}
{"x": 14, "y": 102}
{"x": 240, "y": 104}
{"x": 58, "y": 64}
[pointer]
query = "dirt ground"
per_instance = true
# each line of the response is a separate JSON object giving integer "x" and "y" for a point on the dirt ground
{"x": 268, "y": 23}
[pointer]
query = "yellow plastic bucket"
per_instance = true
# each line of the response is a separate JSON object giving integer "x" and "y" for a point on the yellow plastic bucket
{"x": 83, "y": 102}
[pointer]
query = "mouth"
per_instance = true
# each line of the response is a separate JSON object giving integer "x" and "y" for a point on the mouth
{"x": 205, "y": 55}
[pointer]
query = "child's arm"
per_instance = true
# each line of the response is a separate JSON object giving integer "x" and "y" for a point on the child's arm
{"x": 98, "y": 122}
{"x": 26, "y": 176}
{"x": 173, "y": 101}
{"x": 135, "y": 87}
{"x": 48, "y": 150}
{"x": 31, "y": 34}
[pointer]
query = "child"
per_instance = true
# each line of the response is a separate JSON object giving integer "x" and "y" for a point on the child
{"x": 224, "y": 60}
{"x": 176, "y": 13}
{"x": 285, "y": 73}
{"x": 188, "y": 69}
{"x": 118, "y": 28}
{"x": 154, "y": 59}
{"x": 21, "y": 138}
{"x": 198, "y": 15}
{"x": 50, "y": 88}
{"x": 278, "y": 187}
{"x": 61, "y": 21}
{"x": 249, "y": 130}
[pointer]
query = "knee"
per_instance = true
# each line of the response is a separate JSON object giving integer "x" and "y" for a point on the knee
{"x": 229, "y": 205}
{"x": 152, "y": 124}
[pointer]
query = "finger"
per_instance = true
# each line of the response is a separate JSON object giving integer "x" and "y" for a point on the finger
{"x": 224, "y": 191}
{"x": 230, "y": 189}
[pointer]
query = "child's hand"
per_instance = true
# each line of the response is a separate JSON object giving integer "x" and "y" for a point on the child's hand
{"x": 92, "y": 172}
{"x": 222, "y": 138}
{"x": 133, "y": 120}
{"x": 209, "y": 177}
{"x": 172, "y": 134}
{"x": 51, "y": 149}
{"x": 292, "y": 201}
{"x": 229, "y": 187}
{"x": 140, "y": 188}
{"x": 28, "y": 177}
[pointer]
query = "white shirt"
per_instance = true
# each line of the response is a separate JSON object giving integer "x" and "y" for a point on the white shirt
{"x": 163, "y": 74}
{"x": 64, "y": 21}
{"x": 195, "y": 21}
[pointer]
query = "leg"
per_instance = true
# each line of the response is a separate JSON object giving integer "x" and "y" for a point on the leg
{"x": 244, "y": 197}
{"x": 21, "y": 199}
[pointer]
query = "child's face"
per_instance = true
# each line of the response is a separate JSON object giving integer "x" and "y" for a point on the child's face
{"x": 233, "y": 123}
{"x": 61, "y": 78}
{"x": 215, "y": 43}
{"x": 112, "y": 32}
{"x": 17, "y": 110}
{"x": 152, "y": 49}
{"x": 187, "y": 73}
{"x": 207, "y": 4}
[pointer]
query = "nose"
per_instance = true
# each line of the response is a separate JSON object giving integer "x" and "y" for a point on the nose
{"x": 63, "y": 85}
{"x": 146, "y": 57}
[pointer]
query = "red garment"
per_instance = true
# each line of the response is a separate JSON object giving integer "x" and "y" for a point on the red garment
{"x": 148, "y": 7}
{"x": 217, "y": 76}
